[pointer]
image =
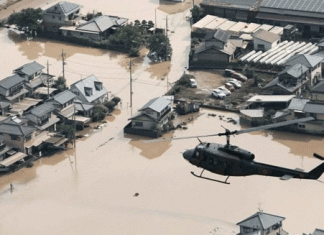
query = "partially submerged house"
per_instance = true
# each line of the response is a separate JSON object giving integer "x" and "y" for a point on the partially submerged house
{"x": 61, "y": 14}
{"x": 97, "y": 28}
{"x": 12, "y": 88}
{"x": 216, "y": 47}
{"x": 63, "y": 99}
{"x": 29, "y": 71}
{"x": 151, "y": 118}
{"x": 90, "y": 90}
{"x": 262, "y": 223}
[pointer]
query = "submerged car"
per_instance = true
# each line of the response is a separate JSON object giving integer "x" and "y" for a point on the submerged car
{"x": 193, "y": 83}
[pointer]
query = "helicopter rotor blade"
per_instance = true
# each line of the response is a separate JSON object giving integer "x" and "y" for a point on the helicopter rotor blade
{"x": 177, "y": 138}
{"x": 265, "y": 127}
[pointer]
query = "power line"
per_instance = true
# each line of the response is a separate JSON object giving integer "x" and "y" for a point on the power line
{"x": 95, "y": 66}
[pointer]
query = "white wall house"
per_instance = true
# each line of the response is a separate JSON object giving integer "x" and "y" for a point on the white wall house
{"x": 264, "y": 40}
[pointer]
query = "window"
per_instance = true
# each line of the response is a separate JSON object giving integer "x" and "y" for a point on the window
{"x": 28, "y": 137}
{"x": 261, "y": 46}
{"x": 15, "y": 137}
{"x": 138, "y": 124}
{"x": 301, "y": 126}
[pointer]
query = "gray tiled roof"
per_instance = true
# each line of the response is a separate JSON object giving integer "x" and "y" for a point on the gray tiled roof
{"x": 89, "y": 82}
{"x": 219, "y": 34}
{"x": 228, "y": 49}
{"x": 298, "y": 104}
{"x": 246, "y": 4}
{"x": 318, "y": 232}
{"x": 17, "y": 127}
{"x": 308, "y": 61}
{"x": 64, "y": 7}
{"x": 79, "y": 106}
{"x": 266, "y": 36}
{"x": 156, "y": 104}
{"x": 64, "y": 97}
{"x": 261, "y": 220}
{"x": 42, "y": 109}
{"x": 102, "y": 23}
{"x": 295, "y": 71}
{"x": 29, "y": 68}
{"x": 11, "y": 81}
{"x": 314, "y": 108}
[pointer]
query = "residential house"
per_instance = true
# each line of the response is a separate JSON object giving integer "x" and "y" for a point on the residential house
{"x": 312, "y": 62}
{"x": 42, "y": 117}
{"x": 16, "y": 132}
{"x": 151, "y": 117}
{"x": 97, "y": 28}
{"x": 29, "y": 71}
{"x": 265, "y": 40}
{"x": 83, "y": 109}
{"x": 263, "y": 224}
{"x": 318, "y": 232}
{"x": 89, "y": 90}
{"x": 63, "y": 99}
{"x": 289, "y": 81}
{"x": 12, "y": 88}
{"x": 215, "y": 47}
{"x": 61, "y": 14}
{"x": 4, "y": 107}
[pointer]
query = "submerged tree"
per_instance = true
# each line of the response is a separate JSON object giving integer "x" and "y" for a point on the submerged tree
{"x": 60, "y": 84}
{"x": 197, "y": 12}
{"x": 160, "y": 44}
{"x": 28, "y": 20}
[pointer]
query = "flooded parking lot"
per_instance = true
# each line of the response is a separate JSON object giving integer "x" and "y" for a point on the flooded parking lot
{"x": 115, "y": 184}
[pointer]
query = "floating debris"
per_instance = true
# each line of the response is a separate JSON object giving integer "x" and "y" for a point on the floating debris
{"x": 136, "y": 195}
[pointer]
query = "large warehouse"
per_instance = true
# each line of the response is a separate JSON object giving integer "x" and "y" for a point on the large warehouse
{"x": 307, "y": 15}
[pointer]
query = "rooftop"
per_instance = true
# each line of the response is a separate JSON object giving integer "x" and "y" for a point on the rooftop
{"x": 261, "y": 220}
{"x": 64, "y": 97}
{"x": 295, "y": 71}
{"x": 64, "y": 7}
{"x": 30, "y": 68}
{"x": 11, "y": 81}
{"x": 308, "y": 61}
{"x": 271, "y": 98}
{"x": 266, "y": 36}
{"x": 102, "y": 23}
{"x": 314, "y": 6}
{"x": 156, "y": 104}
{"x": 220, "y": 35}
{"x": 241, "y": 4}
{"x": 319, "y": 88}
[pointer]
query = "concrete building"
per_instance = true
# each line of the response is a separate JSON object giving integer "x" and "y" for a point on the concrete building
{"x": 265, "y": 40}
{"x": 61, "y": 14}
{"x": 97, "y": 28}
{"x": 262, "y": 224}
{"x": 89, "y": 90}
{"x": 215, "y": 47}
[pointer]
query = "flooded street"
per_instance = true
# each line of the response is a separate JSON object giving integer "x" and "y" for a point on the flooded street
{"x": 115, "y": 184}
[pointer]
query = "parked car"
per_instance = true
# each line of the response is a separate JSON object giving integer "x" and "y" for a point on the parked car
{"x": 218, "y": 94}
{"x": 229, "y": 86}
{"x": 223, "y": 89}
{"x": 229, "y": 72}
{"x": 237, "y": 84}
{"x": 193, "y": 83}
{"x": 239, "y": 77}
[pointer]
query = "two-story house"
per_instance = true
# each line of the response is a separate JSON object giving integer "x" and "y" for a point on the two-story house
{"x": 62, "y": 100}
{"x": 61, "y": 14}
{"x": 12, "y": 88}
{"x": 152, "y": 116}
{"x": 312, "y": 62}
{"x": 42, "y": 117}
{"x": 17, "y": 133}
{"x": 290, "y": 81}
{"x": 29, "y": 71}
{"x": 216, "y": 46}
{"x": 262, "y": 224}
{"x": 90, "y": 90}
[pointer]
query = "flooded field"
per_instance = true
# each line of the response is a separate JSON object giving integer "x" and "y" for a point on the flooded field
{"x": 115, "y": 184}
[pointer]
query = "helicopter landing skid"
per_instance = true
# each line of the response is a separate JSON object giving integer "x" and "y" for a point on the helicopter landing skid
{"x": 201, "y": 177}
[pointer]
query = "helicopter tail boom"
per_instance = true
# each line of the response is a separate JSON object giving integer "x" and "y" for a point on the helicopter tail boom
{"x": 316, "y": 172}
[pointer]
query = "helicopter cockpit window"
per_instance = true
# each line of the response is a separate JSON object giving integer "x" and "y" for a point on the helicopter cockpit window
{"x": 199, "y": 152}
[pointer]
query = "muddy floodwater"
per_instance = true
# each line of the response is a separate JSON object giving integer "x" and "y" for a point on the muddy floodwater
{"x": 115, "y": 184}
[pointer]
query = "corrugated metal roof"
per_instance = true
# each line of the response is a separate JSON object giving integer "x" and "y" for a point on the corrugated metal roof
{"x": 204, "y": 21}
{"x": 219, "y": 35}
{"x": 297, "y": 104}
{"x": 295, "y": 5}
{"x": 266, "y": 36}
{"x": 156, "y": 104}
{"x": 12, "y": 159}
{"x": 64, "y": 97}
{"x": 261, "y": 220}
{"x": 314, "y": 108}
{"x": 242, "y": 4}
{"x": 255, "y": 113}
{"x": 308, "y": 61}
{"x": 11, "y": 81}
{"x": 90, "y": 82}
{"x": 289, "y": 18}
{"x": 295, "y": 71}
{"x": 30, "y": 68}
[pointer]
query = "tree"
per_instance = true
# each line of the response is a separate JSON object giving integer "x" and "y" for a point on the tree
{"x": 93, "y": 15}
{"x": 99, "y": 113}
{"x": 160, "y": 44}
{"x": 137, "y": 23}
{"x": 197, "y": 12}
{"x": 150, "y": 24}
{"x": 60, "y": 84}
{"x": 67, "y": 130}
{"x": 28, "y": 20}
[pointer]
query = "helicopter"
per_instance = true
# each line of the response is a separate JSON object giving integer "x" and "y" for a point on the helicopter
{"x": 230, "y": 160}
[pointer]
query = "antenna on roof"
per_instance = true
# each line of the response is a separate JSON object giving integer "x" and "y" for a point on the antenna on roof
{"x": 259, "y": 208}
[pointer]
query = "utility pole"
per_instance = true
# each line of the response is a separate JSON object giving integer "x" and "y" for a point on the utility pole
{"x": 63, "y": 62}
{"x": 48, "y": 78}
{"x": 74, "y": 127}
{"x": 155, "y": 22}
{"x": 130, "y": 80}
{"x": 193, "y": 3}
{"x": 166, "y": 26}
